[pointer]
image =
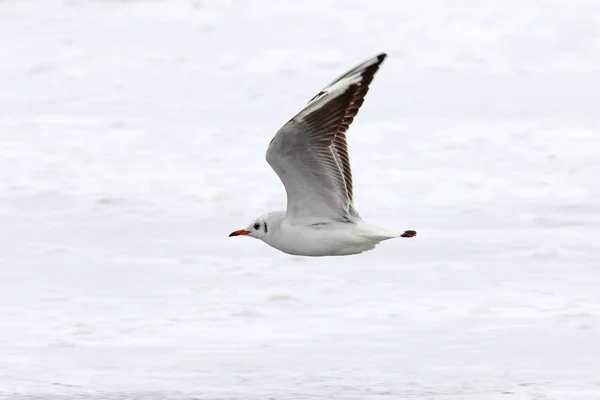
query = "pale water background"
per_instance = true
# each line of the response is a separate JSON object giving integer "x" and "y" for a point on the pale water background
{"x": 132, "y": 140}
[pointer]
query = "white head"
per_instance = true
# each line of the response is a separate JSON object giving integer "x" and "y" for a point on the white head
{"x": 262, "y": 227}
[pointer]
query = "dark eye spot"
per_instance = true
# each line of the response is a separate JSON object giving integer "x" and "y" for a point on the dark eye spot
{"x": 256, "y": 226}
{"x": 266, "y": 227}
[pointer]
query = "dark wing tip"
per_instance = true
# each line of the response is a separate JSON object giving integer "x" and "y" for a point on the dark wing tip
{"x": 381, "y": 57}
{"x": 368, "y": 67}
{"x": 409, "y": 234}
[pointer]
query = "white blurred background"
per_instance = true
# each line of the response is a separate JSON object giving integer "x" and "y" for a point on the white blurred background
{"x": 132, "y": 141}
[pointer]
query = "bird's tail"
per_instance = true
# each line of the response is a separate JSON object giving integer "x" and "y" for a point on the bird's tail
{"x": 380, "y": 234}
{"x": 409, "y": 234}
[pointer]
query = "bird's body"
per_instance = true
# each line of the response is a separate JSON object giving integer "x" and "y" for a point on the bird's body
{"x": 310, "y": 155}
{"x": 334, "y": 238}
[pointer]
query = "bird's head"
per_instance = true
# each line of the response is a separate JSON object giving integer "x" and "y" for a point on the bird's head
{"x": 260, "y": 228}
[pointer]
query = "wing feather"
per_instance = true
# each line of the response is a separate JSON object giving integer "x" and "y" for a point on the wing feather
{"x": 310, "y": 152}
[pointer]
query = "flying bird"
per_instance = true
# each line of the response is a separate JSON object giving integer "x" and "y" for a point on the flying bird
{"x": 310, "y": 156}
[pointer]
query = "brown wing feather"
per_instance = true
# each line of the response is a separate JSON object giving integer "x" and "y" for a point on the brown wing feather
{"x": 340, "y": 144}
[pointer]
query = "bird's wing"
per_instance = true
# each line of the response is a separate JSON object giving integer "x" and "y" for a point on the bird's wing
{"x": 310, "y": 155}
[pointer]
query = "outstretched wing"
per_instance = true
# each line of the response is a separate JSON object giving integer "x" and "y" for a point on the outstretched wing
{"x": 310, "y": 154}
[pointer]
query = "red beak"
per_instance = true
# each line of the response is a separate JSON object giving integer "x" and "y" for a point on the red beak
{"x": 238, "y": 233}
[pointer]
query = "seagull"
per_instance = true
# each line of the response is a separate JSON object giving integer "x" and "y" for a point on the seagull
{"x": 310, "y": 156}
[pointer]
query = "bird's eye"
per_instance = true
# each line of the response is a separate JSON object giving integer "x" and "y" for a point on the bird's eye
{"x": 256, "y": 226}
